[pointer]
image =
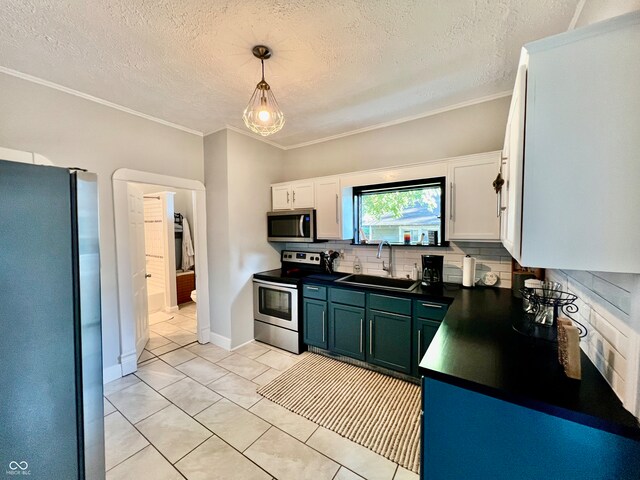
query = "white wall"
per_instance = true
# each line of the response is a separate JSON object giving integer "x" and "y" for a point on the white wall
{"x": 71, "y": 131}
{"x": 238, "y": 173}
{"x": 464, "y": 131}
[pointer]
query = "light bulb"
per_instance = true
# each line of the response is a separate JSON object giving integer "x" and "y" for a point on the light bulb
{"x": 264, "y": 115}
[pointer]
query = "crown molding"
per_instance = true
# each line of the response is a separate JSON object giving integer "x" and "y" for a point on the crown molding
{"x": 576, "y": 15}
{"x": 250, "y": 135}
{"x": 106, "y": 103}
{"x": 430, "y": 113}
{"x": 46, "y": 83}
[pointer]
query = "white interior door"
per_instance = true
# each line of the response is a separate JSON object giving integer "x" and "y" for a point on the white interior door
{"x": 138, "y": 266}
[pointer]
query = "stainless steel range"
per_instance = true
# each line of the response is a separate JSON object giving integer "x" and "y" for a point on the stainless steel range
{"x": 276, "y": 300}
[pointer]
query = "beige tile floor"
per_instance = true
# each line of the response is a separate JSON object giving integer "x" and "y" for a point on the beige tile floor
{"x": 191, "y": 411}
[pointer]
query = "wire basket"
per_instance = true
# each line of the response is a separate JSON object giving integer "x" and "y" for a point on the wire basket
{"x": 545, "y": 304}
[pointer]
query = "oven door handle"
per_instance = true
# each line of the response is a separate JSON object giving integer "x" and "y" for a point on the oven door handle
{"x": 278, "y": 286}
{"x": 301, "y": 229}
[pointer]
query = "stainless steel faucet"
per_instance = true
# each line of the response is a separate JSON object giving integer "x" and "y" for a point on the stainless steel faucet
{"x": 384, "y": 267}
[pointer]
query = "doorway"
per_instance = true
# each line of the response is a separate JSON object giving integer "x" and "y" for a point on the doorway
{"x": 129, "y": 187}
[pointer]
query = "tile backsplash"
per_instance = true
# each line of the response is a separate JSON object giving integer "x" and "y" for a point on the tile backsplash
{"x": 490, "y": 257}
{"x": 613, "y": 339}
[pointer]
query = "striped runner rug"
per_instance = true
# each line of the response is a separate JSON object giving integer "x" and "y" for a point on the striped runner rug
{"x": 374, "y": 410}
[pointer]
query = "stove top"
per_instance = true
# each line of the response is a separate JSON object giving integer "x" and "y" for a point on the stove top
{"x": 297, "y": 265}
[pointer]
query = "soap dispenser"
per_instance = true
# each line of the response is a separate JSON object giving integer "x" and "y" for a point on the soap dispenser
{"x": 357, "y": 267}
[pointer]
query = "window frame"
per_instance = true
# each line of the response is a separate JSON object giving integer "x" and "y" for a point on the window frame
{"x": 399, "y": 186}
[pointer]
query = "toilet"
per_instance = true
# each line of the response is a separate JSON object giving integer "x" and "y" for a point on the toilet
{"x": 194, "y": 296}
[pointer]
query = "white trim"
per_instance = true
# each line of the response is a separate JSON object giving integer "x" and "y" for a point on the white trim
{"x": 220, "y": 341}
{"x": 127, "y": 175}
{"x": 129, "y": 361}
{"x": 249, "y": 134}
{"x": 172, "y": 309}
{"x": 240, "y": 346}
{"x": 377, "y": 126}
{"x": 430, "y": 113}
{"x": 121, "y": 178}
{"x": 106, "y": 103}
{"x": 24, "y": 157}
{"x": 576, "y": 15}
{"x": 47, "y": 83}
{"x": 109, "y": 374}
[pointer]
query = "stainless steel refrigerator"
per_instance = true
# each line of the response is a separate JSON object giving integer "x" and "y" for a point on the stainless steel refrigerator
{"x": 51, "y": 410}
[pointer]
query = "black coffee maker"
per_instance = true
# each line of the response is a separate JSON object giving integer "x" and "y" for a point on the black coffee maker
{"x": 432, "y": 270}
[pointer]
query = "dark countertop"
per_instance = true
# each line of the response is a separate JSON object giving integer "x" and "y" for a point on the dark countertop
{"x": 477, "y": 348}
{"x": 443, "y": 294}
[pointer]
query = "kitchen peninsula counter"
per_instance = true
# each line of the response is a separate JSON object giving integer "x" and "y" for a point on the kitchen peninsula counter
{"x": 500, "y": 402}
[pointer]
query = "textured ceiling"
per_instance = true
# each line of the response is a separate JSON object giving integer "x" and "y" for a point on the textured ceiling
{"x": 338, "y": 65}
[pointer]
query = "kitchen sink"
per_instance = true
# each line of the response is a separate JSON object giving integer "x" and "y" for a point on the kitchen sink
{"x": 401, "y": 284}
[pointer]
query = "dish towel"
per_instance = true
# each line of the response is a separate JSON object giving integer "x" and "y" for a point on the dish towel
{"x": 188, "y": 254}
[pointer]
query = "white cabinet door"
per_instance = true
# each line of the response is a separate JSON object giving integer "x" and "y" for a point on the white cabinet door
{"x": 281, "y": 197}
{"x": 580, "y": 197}
{"x": 328, "y": 209}
{"x": 302, "y": 195}
{"x": 334, "y": 210}
{"x": 473, "y": 204}
{"x": 513, "y": 156}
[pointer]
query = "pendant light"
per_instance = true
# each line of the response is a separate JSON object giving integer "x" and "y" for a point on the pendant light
{"x": 263, "y": 115}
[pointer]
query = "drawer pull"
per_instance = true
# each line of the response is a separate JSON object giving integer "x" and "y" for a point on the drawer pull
{"x": 432, "y": 305}
{"x": 393, "y": 314}
{"x": 312, "y": 288}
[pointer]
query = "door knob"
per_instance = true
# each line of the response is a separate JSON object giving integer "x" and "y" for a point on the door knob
{"x": 147, "y": 275}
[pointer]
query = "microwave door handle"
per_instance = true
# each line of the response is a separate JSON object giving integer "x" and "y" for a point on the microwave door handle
{"x": 301, "y": 227}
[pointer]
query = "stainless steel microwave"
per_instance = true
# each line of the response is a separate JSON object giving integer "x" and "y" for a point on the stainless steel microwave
{"x": 291, "y": 226}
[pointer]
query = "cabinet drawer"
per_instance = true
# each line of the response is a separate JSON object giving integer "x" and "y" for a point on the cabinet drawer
{"x": 431, "y": 310}
{"x": 385, "y": 303}
{"x": 346, "y": 297}
{"x": 314, "y": 291}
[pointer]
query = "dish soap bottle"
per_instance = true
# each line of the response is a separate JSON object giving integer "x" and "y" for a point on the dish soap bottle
{"x": 357, "y": 267}
{"x": 414, "y": 272}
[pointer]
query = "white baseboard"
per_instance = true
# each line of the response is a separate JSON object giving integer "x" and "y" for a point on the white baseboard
{"x": 109, "y": 374}
{"x": 240, "y": 346}
{"x": 220, "y": 341}
{"x": 129, "y": 363}
{"x": 171, "y": 309}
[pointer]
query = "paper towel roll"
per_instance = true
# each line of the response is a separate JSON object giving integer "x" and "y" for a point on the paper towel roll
{"x": 468, "y": 271}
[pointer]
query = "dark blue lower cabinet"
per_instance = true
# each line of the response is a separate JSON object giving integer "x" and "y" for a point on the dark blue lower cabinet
{"x": 423, "y": 332}
{"x": 346, "y": 330}
{"x": 466, "y": 434}
{"x": 315, "y": 320}
{"x": 389, "y": 340}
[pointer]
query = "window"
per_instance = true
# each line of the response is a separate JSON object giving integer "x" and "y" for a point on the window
{"x": 400, "y": 213}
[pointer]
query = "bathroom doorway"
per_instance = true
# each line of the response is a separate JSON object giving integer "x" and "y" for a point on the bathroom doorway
{"x": 169, "y": 270}
{"x": 160, "y": 266}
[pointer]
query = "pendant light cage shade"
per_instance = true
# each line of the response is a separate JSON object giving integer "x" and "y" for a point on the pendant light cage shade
{"x": 263, "y": 115}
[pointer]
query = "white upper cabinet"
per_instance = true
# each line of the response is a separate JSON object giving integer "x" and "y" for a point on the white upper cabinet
{"x": 512, "y": 163}
{"x": 281, "y": 197}
{"x": 334, "y": 210}
{"x": 473, "y": 210}
{"x": 289, "y": 196}
{"x": 302, "y": 195}
{"x": 581, "y": 139}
